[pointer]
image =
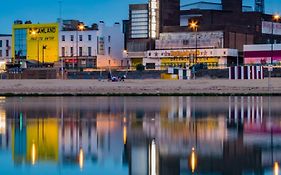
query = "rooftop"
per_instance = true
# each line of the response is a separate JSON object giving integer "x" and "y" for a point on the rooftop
{"x": 202, "y": 5}
{"x": 3, "y": 35}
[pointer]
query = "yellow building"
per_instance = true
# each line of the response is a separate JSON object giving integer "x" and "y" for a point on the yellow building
{"x": 35, "y": 42}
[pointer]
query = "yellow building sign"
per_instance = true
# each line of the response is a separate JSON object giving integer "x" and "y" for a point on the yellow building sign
{"x": 185, "y": 53}
{"x": 36, "y": 42}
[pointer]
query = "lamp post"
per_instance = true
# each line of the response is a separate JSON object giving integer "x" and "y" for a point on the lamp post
{"x": 276, "y": 18}
{"x": 44, "y": 47}
{"x": 194, "y": 27}
{"x": 80, "y": 27}
{"x": 35, "y": 35}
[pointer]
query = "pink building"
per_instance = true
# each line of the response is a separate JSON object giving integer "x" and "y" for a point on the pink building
{"x": 262, "y": 53}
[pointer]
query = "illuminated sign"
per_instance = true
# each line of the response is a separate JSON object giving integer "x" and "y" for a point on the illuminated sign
{"x": 43, "y": 30}
{"x": 153, "y": 18}
{"x": 192, "y": 53}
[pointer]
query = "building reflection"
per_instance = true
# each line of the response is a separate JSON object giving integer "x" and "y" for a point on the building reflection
{"x": 150, "y": 136}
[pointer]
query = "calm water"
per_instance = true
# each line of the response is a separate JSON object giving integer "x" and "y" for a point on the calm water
{"x": 140, "y": 135}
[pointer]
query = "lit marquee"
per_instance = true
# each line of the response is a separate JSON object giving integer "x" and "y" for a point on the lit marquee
{"x": 153, "y": 18}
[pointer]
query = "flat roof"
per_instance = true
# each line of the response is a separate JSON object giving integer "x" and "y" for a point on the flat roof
{"x": 3, "y": 35}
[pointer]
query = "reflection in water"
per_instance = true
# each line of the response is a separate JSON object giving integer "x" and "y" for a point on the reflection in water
{"x": 193, "y": 160}
{"x": 276, "y": 168}
{"x": 140, "y": 135}
{"x": 81, "y": 158}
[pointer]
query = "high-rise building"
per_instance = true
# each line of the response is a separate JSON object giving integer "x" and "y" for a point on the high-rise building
{"x": 139, "y": 21}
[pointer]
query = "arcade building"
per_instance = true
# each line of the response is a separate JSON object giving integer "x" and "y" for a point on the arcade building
{"x": 164, "y": 26}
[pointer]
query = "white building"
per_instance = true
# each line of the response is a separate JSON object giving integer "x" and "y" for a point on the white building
{"x": 5, "y": 47}
{"x": 99, "y": 47}
{"x": 186, "y": 49}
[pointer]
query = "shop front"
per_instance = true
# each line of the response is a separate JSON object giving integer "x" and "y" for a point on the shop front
{"x": 213, "y": 58}
{"x": 262, "y": 54}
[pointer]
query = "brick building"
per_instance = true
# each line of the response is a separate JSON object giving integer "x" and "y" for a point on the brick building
{"x": 240, "y": 25}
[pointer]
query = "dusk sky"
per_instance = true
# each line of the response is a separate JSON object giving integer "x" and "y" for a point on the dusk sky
{"x": 89, "y": 11}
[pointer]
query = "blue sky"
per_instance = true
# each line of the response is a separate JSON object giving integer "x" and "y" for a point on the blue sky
{"x": 89, "y": 11}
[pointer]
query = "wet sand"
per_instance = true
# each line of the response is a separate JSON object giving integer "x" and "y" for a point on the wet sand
{"x": 141, "y": 87}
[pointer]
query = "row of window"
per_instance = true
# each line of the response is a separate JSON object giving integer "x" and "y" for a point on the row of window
{"x": 7, "y": 43}
{"x": 1, "y": 53}
{"x": 80, "y": 38}
{"x": 80, "y": 51}
{"x": 139, "y": 11}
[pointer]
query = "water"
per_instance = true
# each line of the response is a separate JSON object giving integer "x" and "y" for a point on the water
{"x": 140, "y": 135}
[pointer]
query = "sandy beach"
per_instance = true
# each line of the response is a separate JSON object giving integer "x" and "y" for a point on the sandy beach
{"x": 140, "y": 87}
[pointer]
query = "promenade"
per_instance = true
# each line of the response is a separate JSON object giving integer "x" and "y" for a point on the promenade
{"x": 140, "y": 87}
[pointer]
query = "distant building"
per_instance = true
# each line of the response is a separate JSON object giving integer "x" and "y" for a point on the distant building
{"x": 35, "y": 43}
{"x": 262, "y": 54}
{"x": 98, "y": 46}
{"x": 5, "y": 47}
{"x": 88, "y": 47}
{"x": 239, "y": 25}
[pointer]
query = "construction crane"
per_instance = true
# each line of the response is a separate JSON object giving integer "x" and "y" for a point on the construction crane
{"x": 259, "y": 6}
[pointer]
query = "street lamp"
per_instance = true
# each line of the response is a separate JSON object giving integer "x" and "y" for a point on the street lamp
{"x": 275, "y": 18}
{"x": 194, "y": 27}
{"x": 35, "y": 35}
{"x": 80, "y": 27}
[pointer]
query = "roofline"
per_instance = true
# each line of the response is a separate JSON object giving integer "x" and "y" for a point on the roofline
{"x": 213, "y": 3}
{"x": 2, "y": 35}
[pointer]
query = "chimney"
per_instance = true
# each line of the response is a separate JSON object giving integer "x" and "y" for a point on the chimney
{"x": 232, "y": 5}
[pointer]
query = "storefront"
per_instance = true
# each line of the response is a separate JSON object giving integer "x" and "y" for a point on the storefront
{"x": 262, "y": 54}
{"x": 214, "y": 58}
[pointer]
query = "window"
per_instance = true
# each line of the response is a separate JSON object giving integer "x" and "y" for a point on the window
{"x": 0, "y": 53}
{"x": 7, "y": 43}
{"x": 89, "y": 37}
{"x": 63, "y": 51}
{"x": 71, "y": 38}
{"x": 80, "y": 51}
{"x": 0, "y": 43}
{"x": 109, "y": 39}
{"x": 109, "y": 50}
{"x": 71, "y": 51}
{"x": 7, "y": 53}
{"x": 89, "y": 51}
{"x": 80, "y": 38}
{"x": 63, "y": 38}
